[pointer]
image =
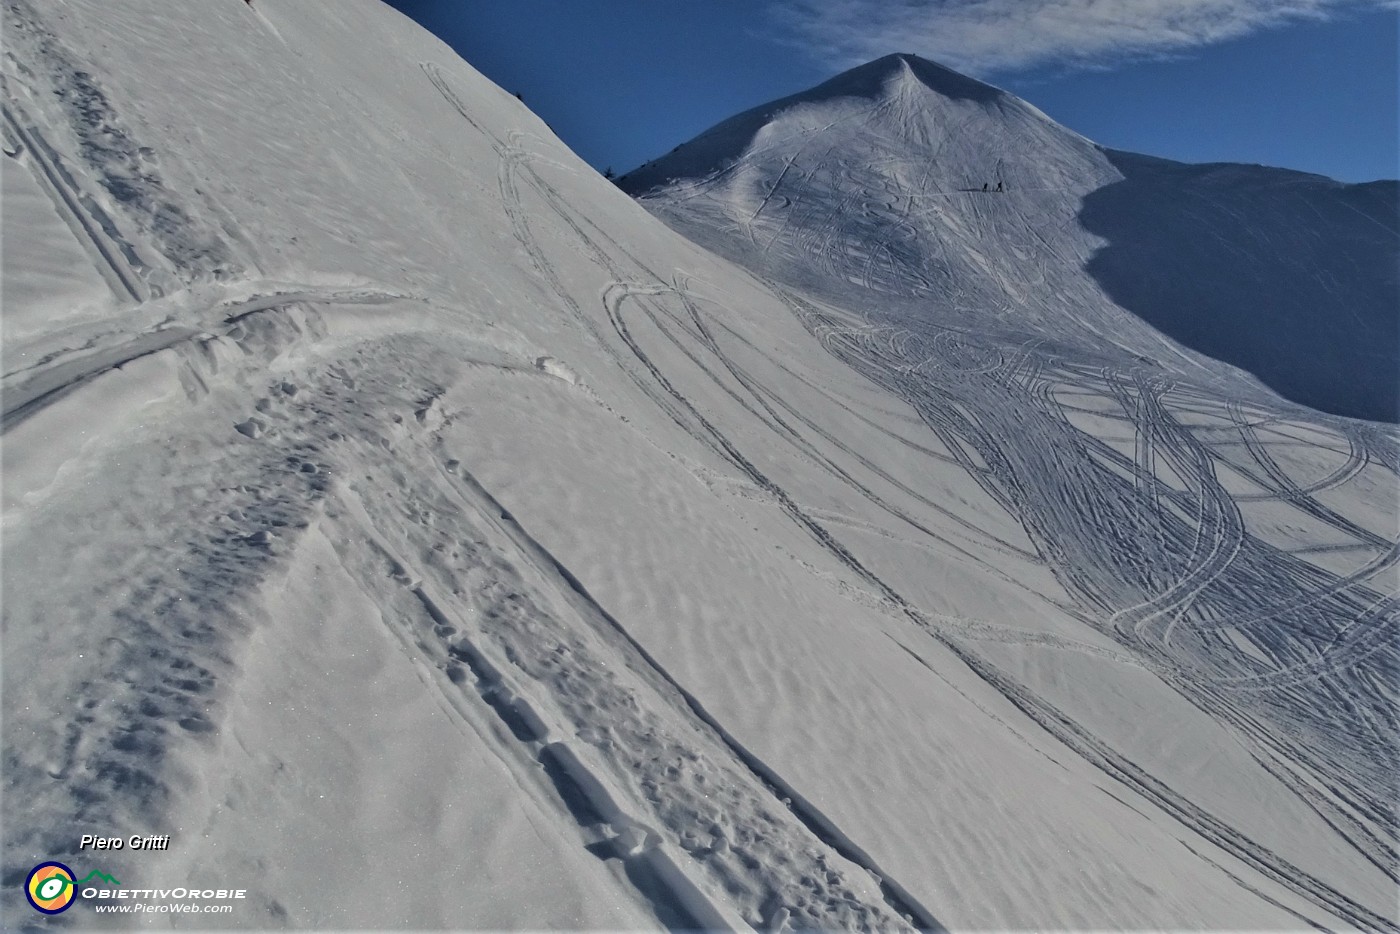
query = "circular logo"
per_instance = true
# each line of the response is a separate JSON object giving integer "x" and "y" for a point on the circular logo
{"x": 50, "y": 888}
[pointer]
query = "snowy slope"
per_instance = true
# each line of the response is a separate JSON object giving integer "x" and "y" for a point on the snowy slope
{"x": 875, "y": 179}
{"x": 422, "y": 535}
{"x": 1193, "y": 517}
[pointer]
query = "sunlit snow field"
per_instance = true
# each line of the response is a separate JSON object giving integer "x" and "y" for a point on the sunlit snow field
{"x": 425, "y": 534}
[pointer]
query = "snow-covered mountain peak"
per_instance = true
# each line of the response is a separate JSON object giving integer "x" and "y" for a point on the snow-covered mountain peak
{"x": 890, "y": 74}
{"x": 950, "y": 198}
{"x": 898, "y": 107}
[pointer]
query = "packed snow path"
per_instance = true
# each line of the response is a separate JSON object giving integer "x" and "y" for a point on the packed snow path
{"x": 424, "y": 536}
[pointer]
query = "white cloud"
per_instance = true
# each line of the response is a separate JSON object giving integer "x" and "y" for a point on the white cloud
{"x": 988, "y": 36}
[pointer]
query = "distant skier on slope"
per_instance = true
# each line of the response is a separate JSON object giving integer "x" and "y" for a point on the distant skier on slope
{"x": 1000, "y": 186}
{"x": 984, "y": 186}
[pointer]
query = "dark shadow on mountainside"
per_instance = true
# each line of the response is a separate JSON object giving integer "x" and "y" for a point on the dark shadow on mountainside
{"x": 1294, "y": 278}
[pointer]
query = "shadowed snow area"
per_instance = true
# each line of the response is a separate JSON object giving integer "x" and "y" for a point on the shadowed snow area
{"x": 424, "y": 535}
{"x": 1291, "y": 277}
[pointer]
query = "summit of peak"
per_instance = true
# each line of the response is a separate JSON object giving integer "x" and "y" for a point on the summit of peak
{"x": 915, "y": 100}
{"x": 874, "y": 79}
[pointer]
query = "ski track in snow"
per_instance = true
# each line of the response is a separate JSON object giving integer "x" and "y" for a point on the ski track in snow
{"x": 29, "y": 391}
{"x": 162, "y": 240}
{"x": 898, "y": 906}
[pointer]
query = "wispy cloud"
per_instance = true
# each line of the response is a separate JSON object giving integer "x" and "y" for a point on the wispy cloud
{"x": 989, "y": 36}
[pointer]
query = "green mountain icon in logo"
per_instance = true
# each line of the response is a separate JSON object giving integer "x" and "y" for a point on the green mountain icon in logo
{"x": 98, "y": 875}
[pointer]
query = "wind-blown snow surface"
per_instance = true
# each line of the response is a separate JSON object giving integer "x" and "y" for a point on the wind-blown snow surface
{"x": 422, "y": 535}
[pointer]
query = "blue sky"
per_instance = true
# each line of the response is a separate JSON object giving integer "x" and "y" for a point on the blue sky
{"x": 1304, "y": 84}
